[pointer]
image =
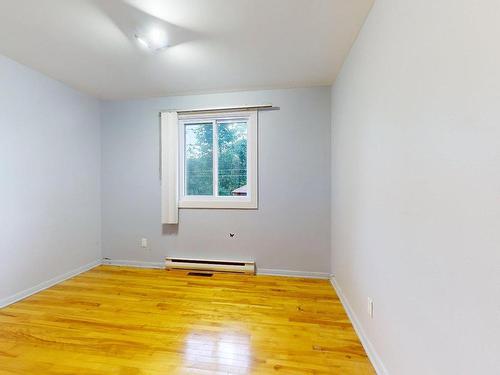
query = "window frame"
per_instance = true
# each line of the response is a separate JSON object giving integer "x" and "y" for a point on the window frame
{"x": 214, "y": 201}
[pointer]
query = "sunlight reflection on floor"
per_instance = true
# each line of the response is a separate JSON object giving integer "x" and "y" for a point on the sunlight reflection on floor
{"x": 219, "y": 351}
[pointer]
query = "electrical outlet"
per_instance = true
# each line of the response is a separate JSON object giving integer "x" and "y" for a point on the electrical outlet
{"x": 370, "y": 307}
{"x": 144, "y": 243}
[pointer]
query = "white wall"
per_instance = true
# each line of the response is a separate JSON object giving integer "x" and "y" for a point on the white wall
{"x": 416, "y": 184}
{"x": 49, "y": 179}
{"x": 291, "y": 228}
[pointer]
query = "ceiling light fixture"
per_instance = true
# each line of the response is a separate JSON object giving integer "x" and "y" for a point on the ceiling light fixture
{"x": 155, "y": 39}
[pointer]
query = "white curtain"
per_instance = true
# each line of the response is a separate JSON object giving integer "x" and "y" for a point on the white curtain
{"x": 169, "y": 167}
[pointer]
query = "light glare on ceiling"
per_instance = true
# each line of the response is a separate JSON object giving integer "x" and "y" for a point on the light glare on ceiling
{"x": 142, "y": 41}
{"x": 155, "y": 39}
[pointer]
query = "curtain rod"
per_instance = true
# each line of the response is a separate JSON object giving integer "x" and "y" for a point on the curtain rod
{"x": 216, "y": 109}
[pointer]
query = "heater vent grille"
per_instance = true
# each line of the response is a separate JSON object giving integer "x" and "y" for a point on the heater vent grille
{"x": 204, "y": 274}
{"x": 210, "y": 265}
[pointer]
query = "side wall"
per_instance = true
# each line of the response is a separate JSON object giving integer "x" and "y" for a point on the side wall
{"x": 49, "y": 172}
{"x": 291, "y": 228}
{"x": 416, "y": 185}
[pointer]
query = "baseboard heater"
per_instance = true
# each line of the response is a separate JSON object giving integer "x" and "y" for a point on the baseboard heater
{"x": 210, "y": 265}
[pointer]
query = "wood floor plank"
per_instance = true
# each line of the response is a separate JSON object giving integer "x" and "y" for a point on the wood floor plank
{"x": 130, "y": 321}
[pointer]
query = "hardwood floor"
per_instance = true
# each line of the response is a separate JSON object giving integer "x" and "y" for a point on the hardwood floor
{"x": 130, "y": 321}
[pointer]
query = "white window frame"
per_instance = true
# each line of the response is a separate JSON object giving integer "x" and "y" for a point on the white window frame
{"x": 203, "y": 201}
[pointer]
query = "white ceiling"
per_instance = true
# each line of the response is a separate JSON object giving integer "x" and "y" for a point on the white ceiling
{"x": 216, "y": 45}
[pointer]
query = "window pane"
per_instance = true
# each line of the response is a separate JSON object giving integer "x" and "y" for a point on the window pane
{"x": 198, "y": 139}
{"x": 232, "y": 158}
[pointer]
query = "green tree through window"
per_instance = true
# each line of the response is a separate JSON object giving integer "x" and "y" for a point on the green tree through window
{"x": 232, "y": 138}
{"x": 232, "y": 158}
{"x": 199, "y": 159}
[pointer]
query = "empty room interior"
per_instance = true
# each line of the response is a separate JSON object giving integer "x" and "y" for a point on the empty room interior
{"x": 250, "y": 187}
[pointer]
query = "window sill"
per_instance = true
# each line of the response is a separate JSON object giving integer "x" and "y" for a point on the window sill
{"x": 238, "y": 205}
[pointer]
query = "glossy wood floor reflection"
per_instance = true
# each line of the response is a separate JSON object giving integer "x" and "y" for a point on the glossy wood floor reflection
{"x": 129, "y": 321}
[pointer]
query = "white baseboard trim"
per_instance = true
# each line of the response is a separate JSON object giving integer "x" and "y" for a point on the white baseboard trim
{"x": 133, "y": 263}
{"x": 306, "y": 274}
{"x": 47, "y": 284}
{"x": 367, "y": 345}
{"x": 260, "y": 271}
